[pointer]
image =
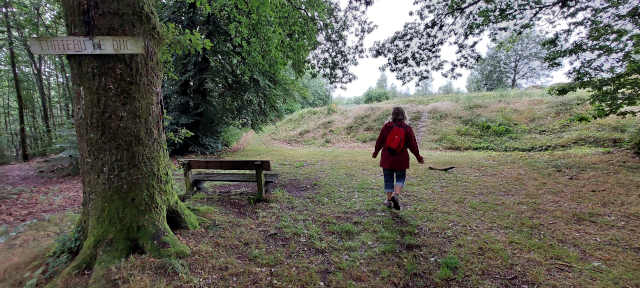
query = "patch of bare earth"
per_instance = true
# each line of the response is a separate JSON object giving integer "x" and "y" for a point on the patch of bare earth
{"x": 26, "y": 195}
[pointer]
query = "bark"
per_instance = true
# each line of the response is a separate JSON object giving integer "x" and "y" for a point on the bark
{"x": 129, "y": 205}
{"x": 66, "y": 85}
{"x": 12, "y": 57}
{"x": 36, "y": 66}
{"x": 51, "y": 112}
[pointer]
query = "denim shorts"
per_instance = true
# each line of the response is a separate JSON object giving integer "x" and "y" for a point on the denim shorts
{"x": 389, "y": 184}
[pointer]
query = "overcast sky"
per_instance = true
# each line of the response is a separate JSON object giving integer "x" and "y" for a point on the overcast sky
{"x": 390, "y": 16}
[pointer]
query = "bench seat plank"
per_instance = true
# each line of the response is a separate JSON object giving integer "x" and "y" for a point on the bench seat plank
{"x": 228, "y": 164}
{"x": 233, "y": 177}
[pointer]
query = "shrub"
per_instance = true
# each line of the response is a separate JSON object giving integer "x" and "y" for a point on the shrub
{"x": 480, "y": 126}
{"x": 376, "y": 95}
{"x": 231, "y": 135}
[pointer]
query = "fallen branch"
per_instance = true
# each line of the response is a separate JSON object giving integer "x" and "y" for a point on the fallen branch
{"x": 565, "y": 264}
{"x": 441, "y": 169}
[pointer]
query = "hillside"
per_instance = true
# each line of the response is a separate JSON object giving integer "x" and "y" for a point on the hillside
{"x": 494, "y": 121}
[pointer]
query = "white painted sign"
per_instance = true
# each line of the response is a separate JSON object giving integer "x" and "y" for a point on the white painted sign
{"x": 87, "y": 45}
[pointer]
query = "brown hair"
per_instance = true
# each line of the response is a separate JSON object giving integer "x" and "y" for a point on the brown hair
{"x": 398, "y": 114}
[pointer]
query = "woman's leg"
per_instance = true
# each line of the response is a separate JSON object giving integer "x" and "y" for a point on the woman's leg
{"x": 401, "y": 176}
{"x": 388, "y": 182}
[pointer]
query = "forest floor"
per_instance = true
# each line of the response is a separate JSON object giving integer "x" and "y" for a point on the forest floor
{"x": 38, "y": 201}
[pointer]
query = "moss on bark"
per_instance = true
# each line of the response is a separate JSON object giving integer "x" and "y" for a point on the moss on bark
{"x": 129, "y": 205}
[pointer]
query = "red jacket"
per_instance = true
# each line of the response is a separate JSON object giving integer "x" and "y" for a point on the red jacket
{"x": 401, "y": 160}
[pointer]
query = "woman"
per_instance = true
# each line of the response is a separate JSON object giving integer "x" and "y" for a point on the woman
{"x": 396, "y": 165}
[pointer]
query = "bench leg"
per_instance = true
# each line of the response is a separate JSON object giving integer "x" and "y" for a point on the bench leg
{"x": 199, "y": 185}
{"x": 188, "y": 182}
{"x": 260, "y": 181}
{"x": 267, "y": 188}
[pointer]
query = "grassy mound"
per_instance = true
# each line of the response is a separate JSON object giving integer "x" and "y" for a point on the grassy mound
{"x": 493, "y": 121}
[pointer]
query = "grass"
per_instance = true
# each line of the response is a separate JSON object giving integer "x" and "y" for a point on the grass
{"x": 499, "y": 219}
{"x": 503, "y": 121}
{"x": 563, "y": 216}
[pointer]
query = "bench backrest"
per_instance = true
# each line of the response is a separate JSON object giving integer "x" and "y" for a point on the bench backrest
{"x": 228, "y": 164}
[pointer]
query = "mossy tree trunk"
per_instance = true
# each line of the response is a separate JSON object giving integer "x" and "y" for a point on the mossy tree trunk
{"x": 129, "y": 205}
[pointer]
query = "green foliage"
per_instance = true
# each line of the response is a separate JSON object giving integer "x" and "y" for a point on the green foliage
{"x": 599, "y": 38}
{"x": 635, "y": 142}
{"x": 479, "y": 126}
{"x": 376, "y": 95}
{"x": 581, "y": 118}
{"x": 474, "y": 82}
{"x": 381, "y": 83}
{"x": 313, "y": 92}
{"x": 5, "y": 152}
{"x": 448, "y": 266}
{"x": 448, "y": 89}
{"x": 425, "y": 86}
{"x": 514, "y": 61}
{"x": 173, "y": 265}
{"x": 246, "y": 64}
{"x": 68, "y": 246}
{"x": 231, "y": 135}
{"x": 66, "y": 142}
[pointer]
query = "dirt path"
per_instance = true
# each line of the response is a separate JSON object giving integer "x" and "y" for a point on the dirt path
{"x": 26, "y": 194}
{"x": 422, "y": 126}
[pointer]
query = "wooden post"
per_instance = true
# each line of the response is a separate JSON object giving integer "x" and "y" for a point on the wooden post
{"x": 188, "y": 180}
{"x": 259, "y": 180}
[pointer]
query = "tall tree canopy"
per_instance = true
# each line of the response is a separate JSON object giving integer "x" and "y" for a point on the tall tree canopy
{"x": 515, "y": 61}
{"x": 244, "y": 77}
{"x": 600, "y": 39}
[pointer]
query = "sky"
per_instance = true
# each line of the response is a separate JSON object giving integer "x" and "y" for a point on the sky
{"x": 390, "y": 16}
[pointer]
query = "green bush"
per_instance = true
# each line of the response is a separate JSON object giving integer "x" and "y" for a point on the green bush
{"x": 480, "y": 126}
{"x": 231, "y": 135}
{"x": 376, "y": 95}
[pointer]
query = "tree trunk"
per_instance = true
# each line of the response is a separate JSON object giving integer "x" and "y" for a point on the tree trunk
{"x": 514, "y": 77}
{"x": 129, "y": 205}
{"x": 37, "y": 72}
{"x": 36, "y": 68}
{"x": 23, "y": 132}
{"x": 52, "y": 114}
{"x": 66, "y": 85}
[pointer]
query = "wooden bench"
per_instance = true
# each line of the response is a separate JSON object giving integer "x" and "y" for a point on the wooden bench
{"x": 196, "y": 179}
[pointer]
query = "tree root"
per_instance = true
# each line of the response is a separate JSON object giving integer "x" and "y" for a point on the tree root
{"x": 103, "y": 246}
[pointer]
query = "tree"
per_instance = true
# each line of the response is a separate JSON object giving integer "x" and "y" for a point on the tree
{"x": 315, "y": 92}
{"x": 515, "y": 61}
{"x": 375, "y": 95}
{"x": 250, "y": 75}
{"x": 599, "y": 38}
{"x": 425, "y": 87}
{"x": 129, "y": 205}
{"x": 447, "y": 88}
{"x": 474, "y": 82}
{"x": 23, "y": 133}
{"x": 393, "y": 91}
{"x": 381, "y": 83}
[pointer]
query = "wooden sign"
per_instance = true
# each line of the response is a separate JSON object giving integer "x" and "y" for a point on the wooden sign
{"x": 87, "y": 45}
